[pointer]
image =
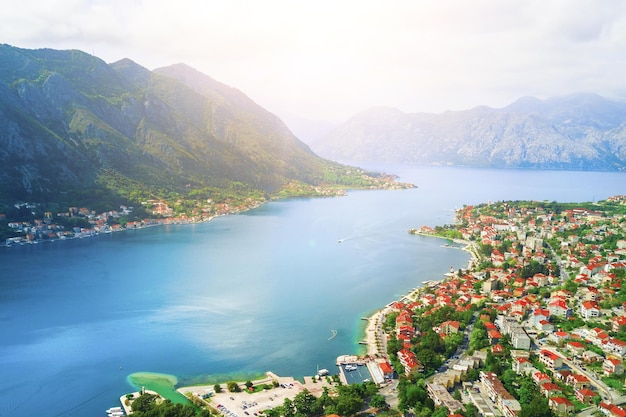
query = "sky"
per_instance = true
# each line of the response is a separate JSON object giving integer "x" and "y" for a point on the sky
{"x": 328, "y": 60}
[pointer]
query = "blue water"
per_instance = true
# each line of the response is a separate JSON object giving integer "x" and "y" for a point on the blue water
{"x": 252, "y": 292}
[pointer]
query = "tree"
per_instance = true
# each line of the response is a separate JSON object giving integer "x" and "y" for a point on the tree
{"x": 233, "y": 387}
{"x": 144, "y": 402}
{"x": 217, "y": 388}
{"x": 470, "y": 410}
{"x": 289, "y": 409}
{"x": 306, "y": 404}
{"x": 538, "y": 407}
{"x": 527, "y": 391}
{"x": 378, "y": 401}
{"x": 349, "y": 405}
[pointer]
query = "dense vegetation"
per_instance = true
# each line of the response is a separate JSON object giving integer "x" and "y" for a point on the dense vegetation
{"x": 348, "y": 401}
{"x": 76, "y": 131}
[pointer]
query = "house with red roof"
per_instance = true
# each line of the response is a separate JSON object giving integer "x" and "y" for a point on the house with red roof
{"x": 616, "y": 346}
{"x": 617, "y": 322}
{"x": 494, "y": 336}
{"x": 611, "y": 410}
{"x": 560, "y": 337}
{"x": 550, "y": 389}
{"x": 577, "y": 348}
{"x": 558, "y": 307}
{"x": 599, "y": 336}
{"x": 550, "y": 359}
{"x": 520, "y": 364}
{"x": 497, "y": 349}
{"x": 577, "y": 381}
{"x": 545, "y": 326}
{"x": 409, "y": 361}
{"x": 561, "y": 405}
{"x": 386, "y": 370}
{"x": 539, "y": 315}
{"x": 449, "y": 327}
{"x": 612, "y": 366}
{"x": 585, "y": 395}
{"x": 539, "y": 378}
{"x": 589, "y": 310}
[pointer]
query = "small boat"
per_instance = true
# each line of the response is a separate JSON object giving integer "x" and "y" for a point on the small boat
{"x": 340, "y": 241}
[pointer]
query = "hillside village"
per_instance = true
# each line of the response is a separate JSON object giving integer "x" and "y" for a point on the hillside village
{"x": 535, "y": 326}
{"x": 81, "y": 222}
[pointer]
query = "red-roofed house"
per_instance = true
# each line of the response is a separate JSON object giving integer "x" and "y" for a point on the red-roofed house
{"x": 559, "y": 308}
{"x": 617, "y": 346}
{"x": 561, "y": 405}
{"x": 577, "y": 381}
{"x": 612, "y": 366}
{"x": 409, "y": 361}
{"x": 449, "y": 327}
{"x": 559, "y": 336}
{"x": 497, "y": 349}
{"x": 589, "y": 310}
{"x": 585, "y": 395}
{"x": 494, "y": 336}
{"x": 539, "y": 378}
{"x": 577, "y": 348}
{"x": 386, "y": 369}
{"x": 539, "y": 315}
{"x": 520, "y": 364}
{"x": 550, "y": 359}
{"x": 545, "y": 326}
{"x": 611, "y": 410}
{"x": 550, "y": 389}
{"x": 617, "y": 322}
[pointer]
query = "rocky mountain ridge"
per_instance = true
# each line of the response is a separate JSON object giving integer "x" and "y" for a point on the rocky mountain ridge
{"x": 577, "y": 132}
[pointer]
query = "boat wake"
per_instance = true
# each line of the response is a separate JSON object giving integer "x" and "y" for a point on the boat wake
{"x": 334, "y": 334}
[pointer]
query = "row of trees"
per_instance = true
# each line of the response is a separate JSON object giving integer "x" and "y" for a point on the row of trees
{"x": 350, "y": 399}
{"x": 146, "y": 405}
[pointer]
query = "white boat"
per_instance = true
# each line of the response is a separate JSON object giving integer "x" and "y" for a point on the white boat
{"x": 114, "y": 409}
{"x": 350, "y": 368}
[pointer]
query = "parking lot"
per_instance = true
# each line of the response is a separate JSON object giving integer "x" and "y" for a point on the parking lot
{"x": 246, "y": 404}
{"x": 355, "y": 374}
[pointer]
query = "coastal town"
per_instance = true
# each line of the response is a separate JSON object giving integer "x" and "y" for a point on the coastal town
{"x": 535, "y": 325}
{"x": 35, "y": 224}
{"x": 88, "y": 223}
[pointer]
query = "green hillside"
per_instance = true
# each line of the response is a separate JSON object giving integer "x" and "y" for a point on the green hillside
{"x": 76, "y": 130}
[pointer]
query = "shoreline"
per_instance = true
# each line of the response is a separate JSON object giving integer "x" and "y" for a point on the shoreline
{"x": 373, "y": 340}
{"x": 374, "y": 336}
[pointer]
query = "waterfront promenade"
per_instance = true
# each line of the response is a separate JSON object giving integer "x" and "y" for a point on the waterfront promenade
{"x": 244, "y": 403}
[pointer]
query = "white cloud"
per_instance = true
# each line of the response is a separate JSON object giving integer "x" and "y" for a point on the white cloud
{"x": 328, "y": 59}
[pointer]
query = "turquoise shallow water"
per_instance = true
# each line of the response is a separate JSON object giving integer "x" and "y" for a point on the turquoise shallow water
{"x": 241, "y": 294}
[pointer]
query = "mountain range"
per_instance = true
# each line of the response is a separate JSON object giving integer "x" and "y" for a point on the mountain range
{"x": 73, "y": 127}
{"x": 576, "y": 132}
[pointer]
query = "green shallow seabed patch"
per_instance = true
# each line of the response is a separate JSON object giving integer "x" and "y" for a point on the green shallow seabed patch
{"x": 211, "y": 379}
{"x": 164, "y": 384}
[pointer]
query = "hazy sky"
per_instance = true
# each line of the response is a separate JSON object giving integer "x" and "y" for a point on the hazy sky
{"x": 327, "y": 60}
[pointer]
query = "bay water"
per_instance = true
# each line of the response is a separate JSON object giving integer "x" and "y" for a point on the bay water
{"x": 237, "y": 296}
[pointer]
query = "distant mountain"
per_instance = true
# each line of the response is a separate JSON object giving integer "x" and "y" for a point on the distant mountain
{"x": 75, "y": 127}
{"x": 577, "y": 132}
